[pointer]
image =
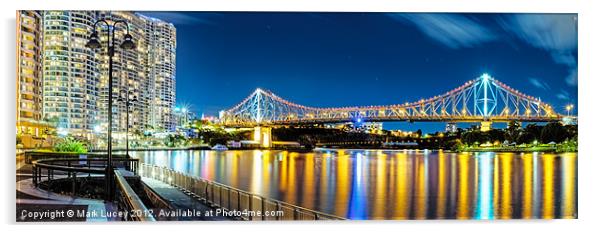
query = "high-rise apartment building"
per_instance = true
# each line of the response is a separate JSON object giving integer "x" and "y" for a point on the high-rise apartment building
{"x": 70, "y": 71}
{"x": 29, "y": 73}
{"x": 161, "y": 37}
{"x": 130, "y": 75}
{"x": 59, "y": 78}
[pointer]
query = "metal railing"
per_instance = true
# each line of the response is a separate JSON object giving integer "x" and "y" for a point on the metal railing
{"x": 127, "y": 199}
{"x": 74, "y": 166}
{"x": 129, "y": 202}
{"x": 239, "y": 203}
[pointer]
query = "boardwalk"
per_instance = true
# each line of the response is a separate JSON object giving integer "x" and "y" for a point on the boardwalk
{"x": 178, "y": 200}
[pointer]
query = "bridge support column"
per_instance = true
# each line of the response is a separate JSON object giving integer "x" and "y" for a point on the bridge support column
{"x": 485, "y": 126}
{"x": 263, "y": 136}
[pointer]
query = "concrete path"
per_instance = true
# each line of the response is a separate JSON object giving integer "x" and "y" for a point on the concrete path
{"x": 46, "y": 200}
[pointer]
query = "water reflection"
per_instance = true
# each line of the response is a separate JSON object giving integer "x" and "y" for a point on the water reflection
{"x": 408, "y": 184}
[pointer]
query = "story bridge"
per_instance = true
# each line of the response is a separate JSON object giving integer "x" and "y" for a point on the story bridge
{"x": 483, "y": 99}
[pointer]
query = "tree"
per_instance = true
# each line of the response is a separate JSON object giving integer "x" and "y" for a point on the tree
{"x": 513, "y": 131}
{"x": 496, "y": 135}
{"x": 526, "y": 138}
{"x": 534, "y": 130}
{"x": 553, "y": 132}
{"x": 306, "y": 141}
{"x": 419, "y": 133}
{"x": 472, "y": 137}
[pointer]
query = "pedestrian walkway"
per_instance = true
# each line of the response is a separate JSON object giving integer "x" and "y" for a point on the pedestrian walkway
{"x": 45, "y": 200}
{"x": 179, "y": 200}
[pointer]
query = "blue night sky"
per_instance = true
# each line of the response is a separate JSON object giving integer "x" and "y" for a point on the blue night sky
{"x": 353, "y": 59}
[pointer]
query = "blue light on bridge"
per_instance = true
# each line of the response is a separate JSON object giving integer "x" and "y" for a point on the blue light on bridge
{"x": 485, "y": 78}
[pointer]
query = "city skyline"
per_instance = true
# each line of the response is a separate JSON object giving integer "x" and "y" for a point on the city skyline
{"x": 356, "y": 59}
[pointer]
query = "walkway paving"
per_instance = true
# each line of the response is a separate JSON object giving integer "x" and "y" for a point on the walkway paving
{"x": 178, "y": 200}
{"x": 31, "y": 199}
{"x": 41, "y": 201}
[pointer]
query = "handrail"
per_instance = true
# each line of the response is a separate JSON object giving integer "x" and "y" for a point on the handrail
{"x": 129, "y": 201}
{"x": 230, "y": 198}
{"x": 72, "y": 166}
{"x": 47, "y": 164}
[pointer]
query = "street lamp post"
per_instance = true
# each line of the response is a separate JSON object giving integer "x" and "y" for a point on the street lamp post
{"x": 568, "y": 109}
{"x": 94, "y": 43}
{"x": 127, "y": 101}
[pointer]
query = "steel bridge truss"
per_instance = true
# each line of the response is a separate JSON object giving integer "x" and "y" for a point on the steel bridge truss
{"x": 481, "y": 99}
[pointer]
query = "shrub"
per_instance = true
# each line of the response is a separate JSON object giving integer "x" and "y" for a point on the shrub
{"x": 70, "y": 144}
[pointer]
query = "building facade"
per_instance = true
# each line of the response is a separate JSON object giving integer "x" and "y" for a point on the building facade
{"x": 131, "y": 81}
{"x": 31, "y": 129}
{"x": 161, "y": 37}
{"x": 29, "y": 78}
{"x": 70, "y": 72}
{"x": 60, "y": 80}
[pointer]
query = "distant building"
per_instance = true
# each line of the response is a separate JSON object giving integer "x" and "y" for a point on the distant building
{"x": 366, "y": 127}
{"x": 184, "y": 118}
{"x": 451, "y": 127}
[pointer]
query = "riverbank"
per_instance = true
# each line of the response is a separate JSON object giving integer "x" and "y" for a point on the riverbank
{"x": 196, "y": 147}
{"x": 544, "y": 149}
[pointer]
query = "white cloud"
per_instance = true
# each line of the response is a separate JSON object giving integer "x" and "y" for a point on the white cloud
{"x": 453, "y": 30}
{"x": 539, "y": 83}
{"x": 555, "y": 33}
{"x": 563, "y": 95}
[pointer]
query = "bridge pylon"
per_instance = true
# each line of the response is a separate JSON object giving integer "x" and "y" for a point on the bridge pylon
{"x": 485, "y": 126}
{"x": 263, "y": 136}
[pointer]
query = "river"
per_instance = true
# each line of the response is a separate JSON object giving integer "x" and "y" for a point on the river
{"x": 394, "y": 184}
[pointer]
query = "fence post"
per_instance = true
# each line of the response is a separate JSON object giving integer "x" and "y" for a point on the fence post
{"x": 250, "y": 206}
{"x": 229, "y": 200}
{"x": 278, "y": 210}
{"x": 262, "y": 208}
{"x": 238, "y": 200}
{"x": 74, "y": 183}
